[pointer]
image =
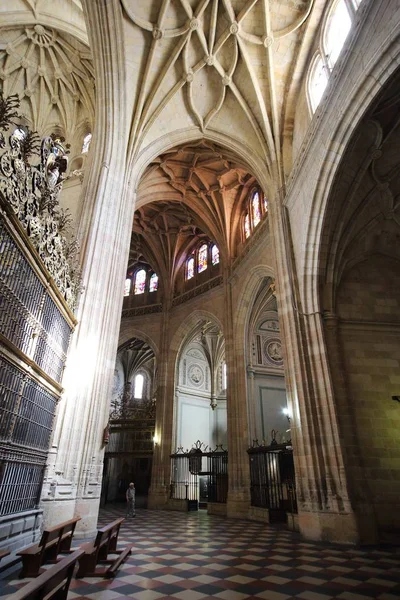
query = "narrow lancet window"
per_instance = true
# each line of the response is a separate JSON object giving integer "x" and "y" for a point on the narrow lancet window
{"x": 318, "y": 83}
{"x": 202, "y": 258}
{"x": 138, "y": 387}
{"x": 338, "y": 28}
{"x": 153, "y": 283}
{"x": 127, "y": 289}
{"x": 86, "y": 143}
{"x": 140, "y": 282}
{"x": 247, "y": 226}
{"x": 190, "y": 268}
{"x": 255, "y": 206}
{"x": 215, "y": 254}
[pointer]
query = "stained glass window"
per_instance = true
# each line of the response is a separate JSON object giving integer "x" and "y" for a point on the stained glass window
{"x": 153, "y": 283}
{"x": 224, "y": 376}
{"x": 140, "y": 282}
{"x": 265, "y": 203}
{"x": 127, "y": 286}
{"x": 138, "y": 387}
{"x": 255, "y": 207}
{"x": 337, "y": 31}
{"x": 247, "y": 226}
{"x": 86, "y": 143}
{"x": 190, "y": 268}
{"x": 215, "y": 254}
{"x": 202, "y": 258}
{"x": 318, "y": 83}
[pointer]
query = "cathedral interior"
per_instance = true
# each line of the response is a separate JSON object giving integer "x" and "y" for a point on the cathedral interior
{"x": 200, "y": 268}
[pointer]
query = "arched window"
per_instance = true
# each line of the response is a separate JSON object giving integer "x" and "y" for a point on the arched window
{"x": 127, "y": 289}
{"x": 214, "y": 254}
{"x": 86, "y": 143}
{"x": 317, "y": 82}
{"x": 153, "y": 287}
{"x": 190, "y": 268}
{"x": 255, "y": 209}
{"x": 338, "y": 27}
{"x": 138, "y": 386}
{"x": 202, "y": 258}
{"x": 140, "y": 282}
{"x": 224, "y": 379}
{"x": 247, "y": 226}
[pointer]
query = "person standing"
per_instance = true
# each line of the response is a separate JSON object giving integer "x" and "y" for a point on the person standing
{"x": 130, "y": 499}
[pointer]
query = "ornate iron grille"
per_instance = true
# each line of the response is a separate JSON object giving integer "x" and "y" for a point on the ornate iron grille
{"x": 18, "y": 276}
{"x": 29, "y": 318}
{"x": 272, "y": 479}
{"x": 199, "y": 468}
{"x": 20, "y": 485}
{"x": 10, "y": 385}
{"x": 27, "y": 411}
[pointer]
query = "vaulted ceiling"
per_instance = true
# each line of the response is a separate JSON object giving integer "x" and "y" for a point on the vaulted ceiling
{"x": 228, "y": 66}
{"x": 194, "y": 191}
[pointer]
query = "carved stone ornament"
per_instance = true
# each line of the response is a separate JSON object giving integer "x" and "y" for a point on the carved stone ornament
{"x": 196, "y": 375}
{"x": 32, "y": 192}
{"x": 273, "y": 351}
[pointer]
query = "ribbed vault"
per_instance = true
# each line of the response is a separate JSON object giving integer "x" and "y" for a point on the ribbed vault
{"x": 193, "y": 192}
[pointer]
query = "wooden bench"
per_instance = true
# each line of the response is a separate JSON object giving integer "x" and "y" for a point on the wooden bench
{"x": 4, "y": 553}
{"x": 97, "y": 552}
{"x": 54, "y": 541}
{"x": 53, "y": 583}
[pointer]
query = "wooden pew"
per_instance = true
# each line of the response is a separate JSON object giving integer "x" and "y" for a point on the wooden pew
{"x": 54, "y": 541}
{"x": 97, "y": 552}
{"x": 53, "y": 583}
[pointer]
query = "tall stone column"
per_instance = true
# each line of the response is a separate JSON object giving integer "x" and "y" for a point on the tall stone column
{"x": 321, "y": 482}
{"x": 238, "y": 502}
{"x": 160, "y": 475}
{"x": 73, "y": 481}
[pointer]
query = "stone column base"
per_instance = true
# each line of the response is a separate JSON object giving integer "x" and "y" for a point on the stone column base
{"x": 216, "y": 508}
{"x": 329, "y": 527}
{"x": 158, "y": 498}
{"x": 237, "y": 507}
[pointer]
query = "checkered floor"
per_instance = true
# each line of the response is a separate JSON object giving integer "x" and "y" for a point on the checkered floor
{"x": 194, "y": 556}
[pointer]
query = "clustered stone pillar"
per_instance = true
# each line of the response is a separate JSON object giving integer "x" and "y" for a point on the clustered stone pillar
{"x": 321, "y": 482}
{"x": 74, "y": 476}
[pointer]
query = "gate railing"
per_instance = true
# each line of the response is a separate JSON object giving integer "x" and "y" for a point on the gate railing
{"x": 199, "y": 474}
{"x": 272, "y": 479}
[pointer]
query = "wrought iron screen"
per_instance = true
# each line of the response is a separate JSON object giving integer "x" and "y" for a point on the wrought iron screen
{"x": 26, "y": 417}
{"x": 29, "y": 318}
{"x": 272, "y": 479}
{"x": 199, "y": 474}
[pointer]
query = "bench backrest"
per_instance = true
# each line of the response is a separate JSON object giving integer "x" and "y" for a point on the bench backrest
{"x": 107, "y": 537}
{"x": 53, "y": 533}
{"x": 53, "y": 583}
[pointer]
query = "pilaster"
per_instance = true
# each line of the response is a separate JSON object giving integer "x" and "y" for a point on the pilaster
{"x": 74, "y": 476}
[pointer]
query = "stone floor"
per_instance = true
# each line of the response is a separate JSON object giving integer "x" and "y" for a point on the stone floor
{"x": 194, "y": 556}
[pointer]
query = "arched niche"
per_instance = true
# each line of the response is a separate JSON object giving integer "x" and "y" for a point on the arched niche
{"x": 129, "y": 450}
{"x": 200, "y": 388}
{"x": 266, "y": 389}
{"x": 359, "y": 293}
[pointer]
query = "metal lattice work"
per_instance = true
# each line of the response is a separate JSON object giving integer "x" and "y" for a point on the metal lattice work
{"x": 11, "y": 380}
{"x": 29, "y": 318}
{"x": 20, "y": 486}
{"x": 18, "y": 276}
{"x": 272, "y": 479}
{"x": 26, "y": 414}
{"x": 200, "y": 475}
